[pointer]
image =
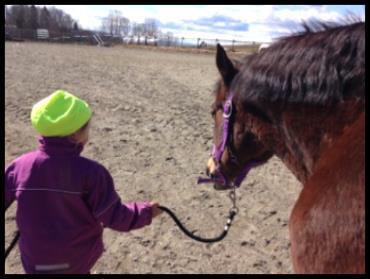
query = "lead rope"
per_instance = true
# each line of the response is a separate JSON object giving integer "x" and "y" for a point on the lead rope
{"x": 12, "y": 244}
{"x": 14, "y": 241}
{"x": 233, "y": 211}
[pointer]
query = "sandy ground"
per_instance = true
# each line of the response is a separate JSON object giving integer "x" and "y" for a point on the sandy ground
{"x": 152, "y": 129}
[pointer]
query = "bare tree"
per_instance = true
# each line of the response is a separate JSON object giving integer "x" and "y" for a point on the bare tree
{"x": 33, "y": 18}
{"x": 171, "y": 39}
{"x": 67, "y": 23}
{"x": 59, "y": 20}
{"x": 138, "y": 29}
{"x": 115, "y": 18}
{"x": 10, "y": 15}
{"x": 30, "y": 16}
{"x": 105, "y": 25}
{"x": 115, "y": 23}
{"x": 75, "y": 26}
{"x": 45, "y": 18}
{"x": 7, "y": 13}
{"x": 108, "y": 24}
{"x": 124, "y": 26}
{"x": 17, "y": 16}
{"x": 150, "y": 27}
{"x": 56, "y": 19}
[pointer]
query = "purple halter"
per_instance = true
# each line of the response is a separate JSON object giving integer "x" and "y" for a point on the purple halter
{"x": 217, "y": 152}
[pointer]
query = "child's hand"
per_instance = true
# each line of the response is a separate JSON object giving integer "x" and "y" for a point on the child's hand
{"x": 155, "y": 210}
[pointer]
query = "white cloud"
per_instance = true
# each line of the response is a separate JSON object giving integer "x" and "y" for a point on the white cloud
{"x": 306, "y": 13}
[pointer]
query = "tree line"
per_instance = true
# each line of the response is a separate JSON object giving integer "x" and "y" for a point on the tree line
{"x": 53, "y": 19}
{"x": 116, "y": 24}
{"x": 32, "y": 17}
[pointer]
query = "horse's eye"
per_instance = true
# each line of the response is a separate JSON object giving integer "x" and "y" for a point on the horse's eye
{"x": 213, "y": 110}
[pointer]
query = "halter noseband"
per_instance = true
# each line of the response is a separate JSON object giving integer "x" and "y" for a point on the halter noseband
{"x": 217, "y": 151}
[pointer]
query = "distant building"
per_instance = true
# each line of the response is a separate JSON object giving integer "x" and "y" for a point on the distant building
{"x": 42, "y": 34}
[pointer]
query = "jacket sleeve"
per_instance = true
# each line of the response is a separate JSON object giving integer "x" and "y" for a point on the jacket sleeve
{"x": 108, "y": 209}
{"x": 9, "y": 186}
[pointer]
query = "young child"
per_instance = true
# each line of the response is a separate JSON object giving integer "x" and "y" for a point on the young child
{"x": 64, "y": 201}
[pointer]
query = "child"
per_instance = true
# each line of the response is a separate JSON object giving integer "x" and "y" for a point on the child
{"x": 65, "y": 200}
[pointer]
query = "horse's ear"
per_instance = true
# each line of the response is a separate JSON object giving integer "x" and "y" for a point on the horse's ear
{"x": 225, "y": 66}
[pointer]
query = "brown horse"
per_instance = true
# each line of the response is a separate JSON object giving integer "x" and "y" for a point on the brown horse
{"x": 303, "y": 100}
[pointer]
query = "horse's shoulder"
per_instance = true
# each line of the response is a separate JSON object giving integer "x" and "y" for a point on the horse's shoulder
{"x": 329, "y": 213}
{"x": 340, "y": 170}
{"x": 348, "y": 152}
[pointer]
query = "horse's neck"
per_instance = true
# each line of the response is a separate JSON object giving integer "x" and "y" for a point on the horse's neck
{"x": 304, "y": 133}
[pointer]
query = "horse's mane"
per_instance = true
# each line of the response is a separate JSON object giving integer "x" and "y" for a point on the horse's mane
{"x": 322, "y": 65}
{"x": 313, "y": 26}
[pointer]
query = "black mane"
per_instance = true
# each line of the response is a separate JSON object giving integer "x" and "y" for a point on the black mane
{"x": 323, "y": 65}
{"x": 314, "y": 26}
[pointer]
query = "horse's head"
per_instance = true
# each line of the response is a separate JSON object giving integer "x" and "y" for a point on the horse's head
{"x": 237, "y": 147}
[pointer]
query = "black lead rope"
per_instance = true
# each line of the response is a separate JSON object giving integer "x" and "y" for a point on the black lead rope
{"x": 11, "y": 246}
{"x": 14, "y": 241}
{"x": 178, "y": 223}
{"x": 198, "y": 238}
{"x": 232, "y": 213}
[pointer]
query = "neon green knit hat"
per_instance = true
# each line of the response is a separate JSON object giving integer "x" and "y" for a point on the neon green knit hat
{"x": 60, "y": 114}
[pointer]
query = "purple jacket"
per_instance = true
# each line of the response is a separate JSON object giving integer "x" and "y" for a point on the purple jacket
{"x": 64, "y": 202}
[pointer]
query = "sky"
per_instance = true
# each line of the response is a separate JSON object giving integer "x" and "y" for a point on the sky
{"x": 260, "y": 23}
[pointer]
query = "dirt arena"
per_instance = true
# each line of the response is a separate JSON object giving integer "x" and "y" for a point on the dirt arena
{"x": 152, "y": 129}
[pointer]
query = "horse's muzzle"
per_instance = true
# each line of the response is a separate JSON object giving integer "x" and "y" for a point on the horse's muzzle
{"x": 213, "y": 173}
{"x": 211, "y": 168}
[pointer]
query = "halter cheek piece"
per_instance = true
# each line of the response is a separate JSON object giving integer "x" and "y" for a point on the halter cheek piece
{"x": 217, "y": 151}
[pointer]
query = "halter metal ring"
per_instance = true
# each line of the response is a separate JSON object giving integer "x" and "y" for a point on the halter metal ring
{"x": 228, "y": 104}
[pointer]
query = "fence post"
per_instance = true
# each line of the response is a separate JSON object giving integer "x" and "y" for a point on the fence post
{"x": 198, "y": 42}
{"x": 232, "y": 48}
